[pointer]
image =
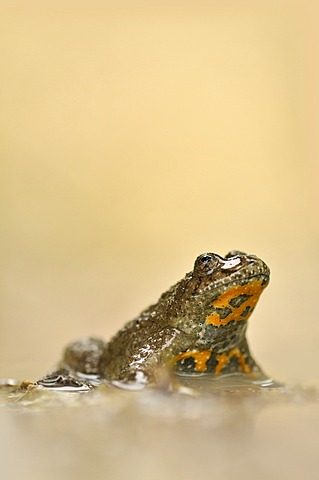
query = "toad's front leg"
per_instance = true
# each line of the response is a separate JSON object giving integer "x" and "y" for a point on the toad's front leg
{"x": 138, "y": 359}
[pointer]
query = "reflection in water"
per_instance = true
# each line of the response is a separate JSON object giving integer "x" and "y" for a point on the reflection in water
{"x": 227, "y": 426}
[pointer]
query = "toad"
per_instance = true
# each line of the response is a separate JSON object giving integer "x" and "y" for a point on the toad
{"x": 197, "y": 327}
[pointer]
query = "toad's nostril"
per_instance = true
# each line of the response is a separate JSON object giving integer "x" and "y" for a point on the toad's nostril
{"x": 234, "y": 253}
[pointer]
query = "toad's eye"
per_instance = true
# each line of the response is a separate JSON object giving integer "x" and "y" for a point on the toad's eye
{"x": 205, "y": 258}
{"x": 206, "y": 263}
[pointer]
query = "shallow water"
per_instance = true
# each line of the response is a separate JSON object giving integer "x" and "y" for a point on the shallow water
{"x": 230, "y": 427}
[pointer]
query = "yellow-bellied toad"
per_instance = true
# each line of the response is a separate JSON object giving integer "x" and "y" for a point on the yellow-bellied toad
{"x": 197, "y": 326}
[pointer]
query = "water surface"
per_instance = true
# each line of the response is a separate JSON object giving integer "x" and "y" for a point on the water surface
{"x": 226, "y": 427}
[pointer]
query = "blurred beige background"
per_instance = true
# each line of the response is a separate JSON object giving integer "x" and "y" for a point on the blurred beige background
{"x": 136, "y": 135}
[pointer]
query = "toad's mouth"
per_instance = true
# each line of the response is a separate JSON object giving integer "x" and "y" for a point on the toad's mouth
{"x": 237, "y": 300}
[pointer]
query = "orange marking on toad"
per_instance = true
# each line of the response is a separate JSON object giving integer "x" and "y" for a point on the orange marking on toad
{"x": 201, "y": 358}
{"x": 224, "y": 358}
{"x": 253, "y": 289}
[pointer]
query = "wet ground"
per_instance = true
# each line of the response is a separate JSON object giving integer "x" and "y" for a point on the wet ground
{"x": 228, "y": 427}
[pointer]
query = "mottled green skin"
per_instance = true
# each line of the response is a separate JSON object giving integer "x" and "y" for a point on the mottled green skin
{"x": 175, "y": 324}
